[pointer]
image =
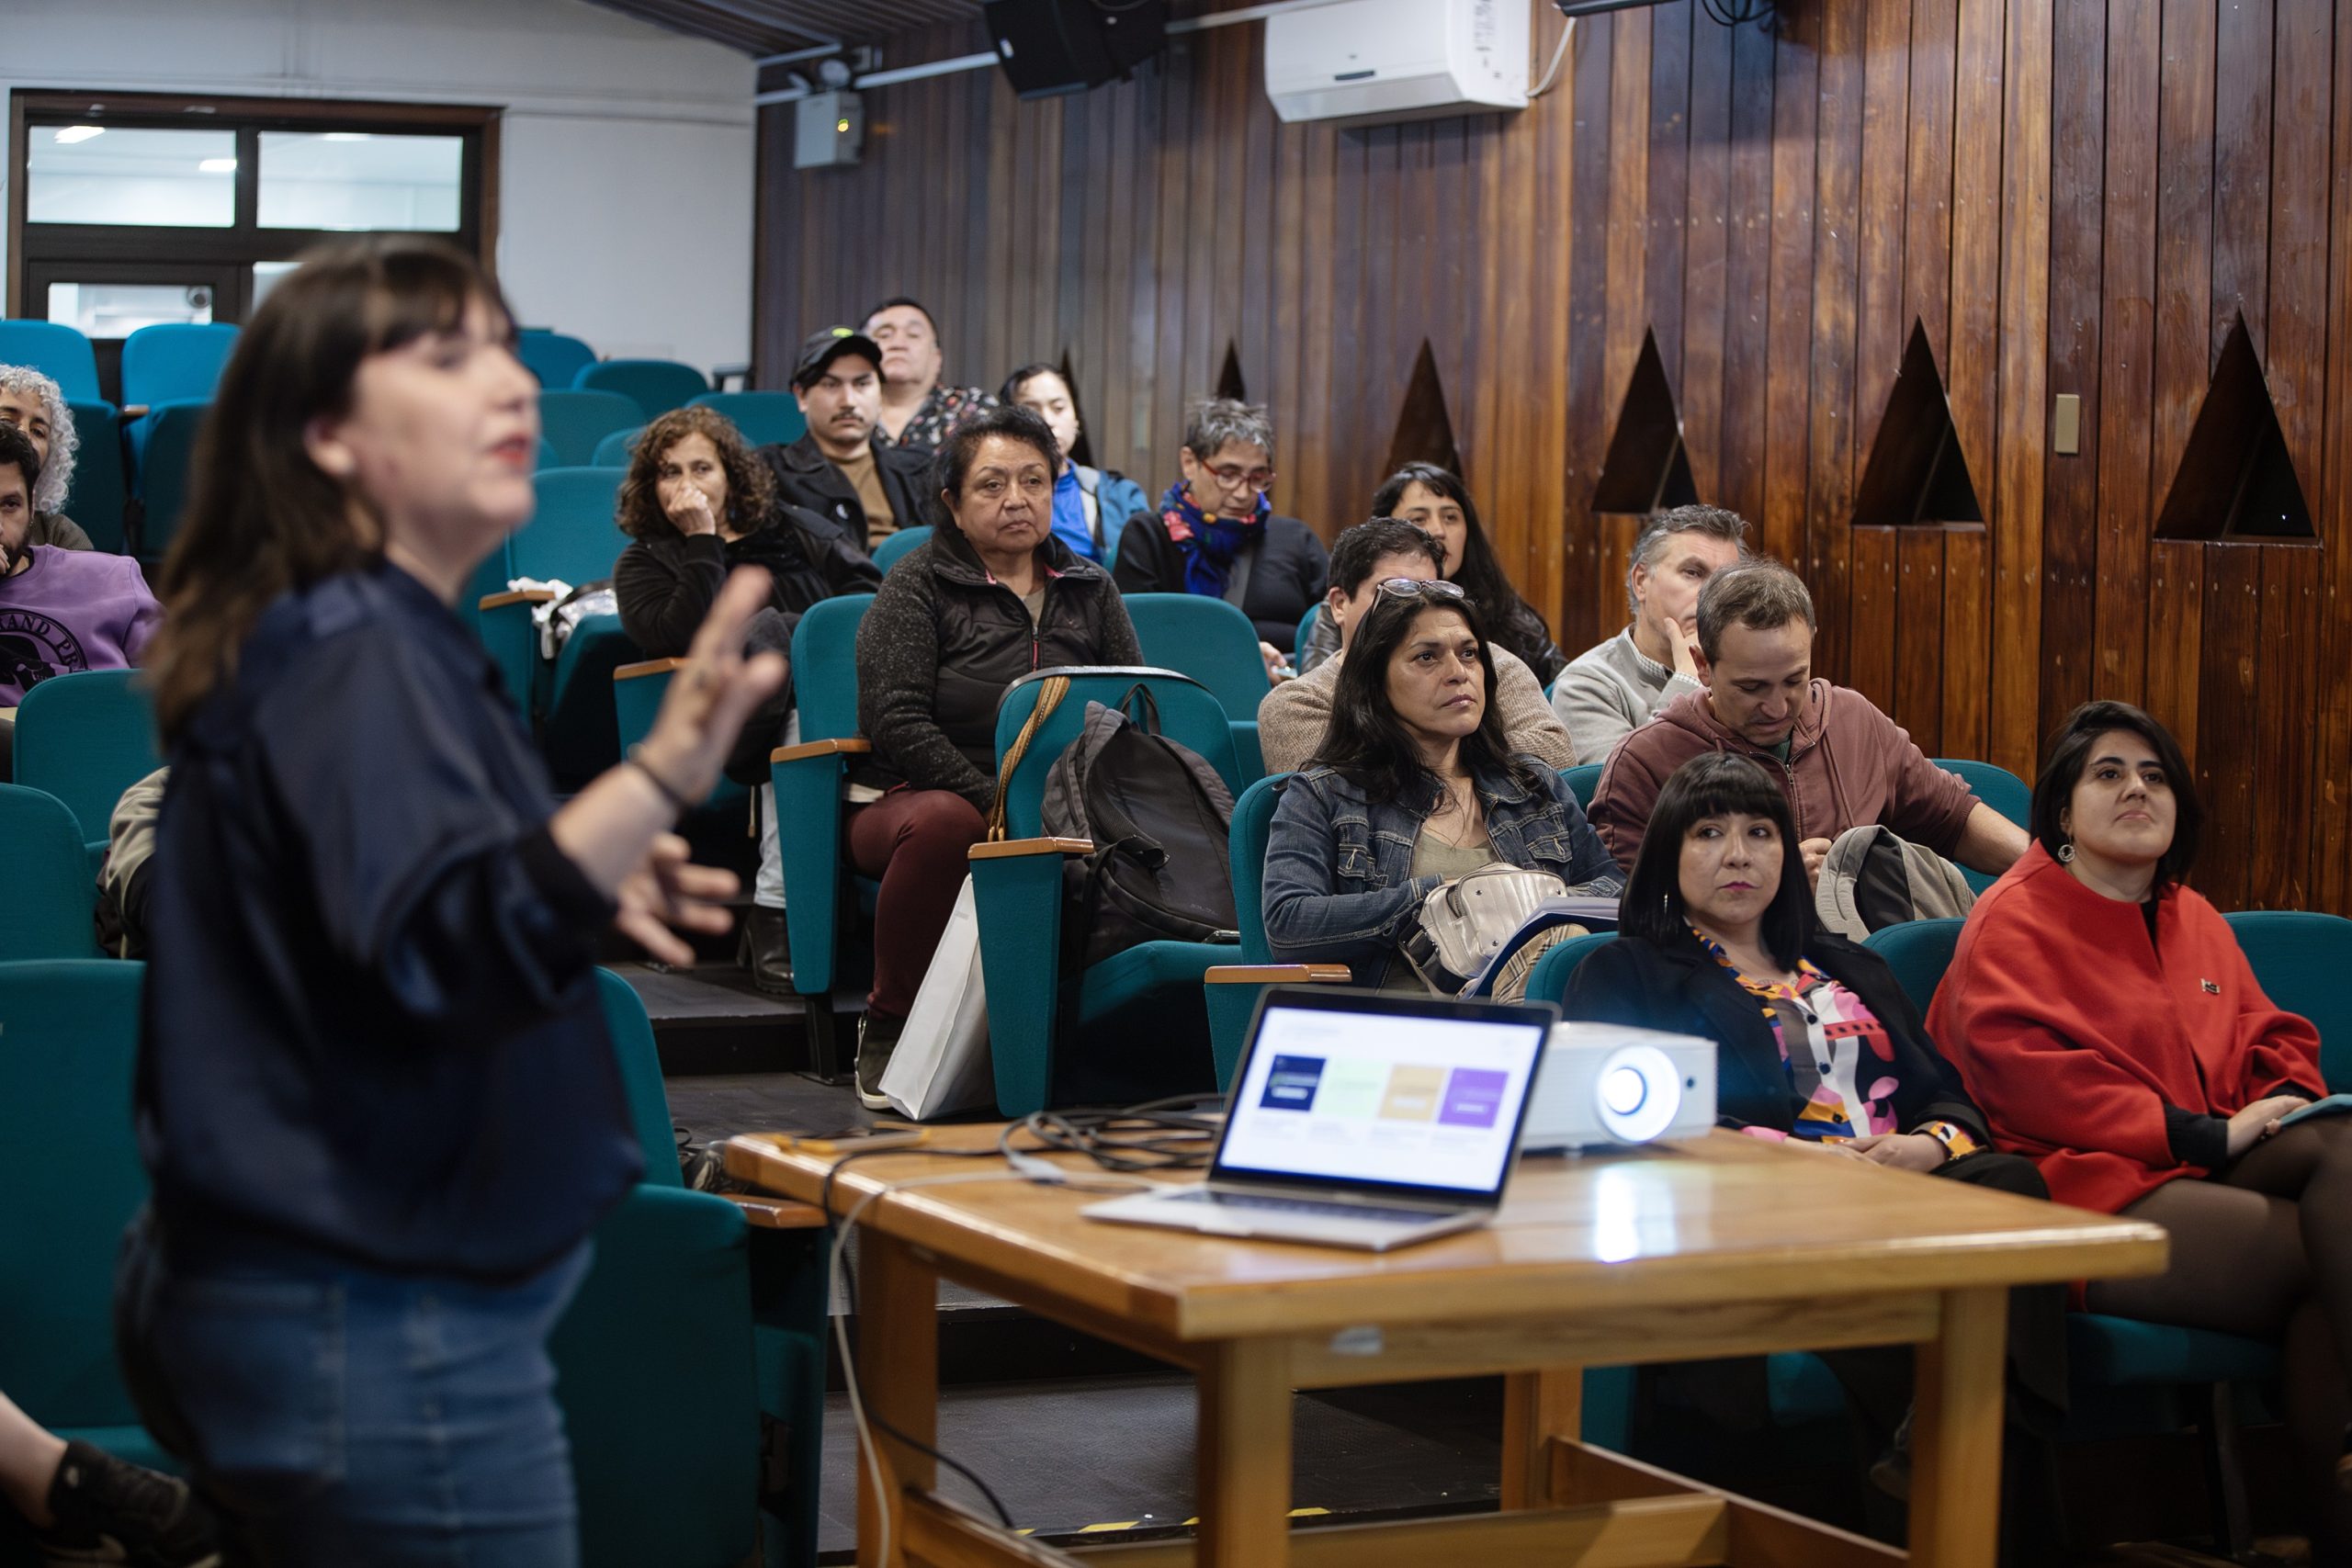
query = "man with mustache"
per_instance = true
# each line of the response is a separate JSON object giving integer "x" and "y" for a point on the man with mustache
{"x": 840, "y": 469}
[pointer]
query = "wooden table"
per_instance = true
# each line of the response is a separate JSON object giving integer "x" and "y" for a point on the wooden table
{"x": 1722, "y": 1247}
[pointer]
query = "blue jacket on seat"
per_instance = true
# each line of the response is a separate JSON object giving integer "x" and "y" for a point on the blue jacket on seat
{"x": 1340, "y": 887}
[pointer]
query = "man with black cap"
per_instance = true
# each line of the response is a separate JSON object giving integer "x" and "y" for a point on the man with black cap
{"x": 838, "y": 469}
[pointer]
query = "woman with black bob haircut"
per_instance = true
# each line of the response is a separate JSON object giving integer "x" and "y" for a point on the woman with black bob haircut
{"x": 379, "y": 1107}
{"x": 991, "y": 595}
{"x": 1438, "y": 502}
{"x": 1816, "y": 1046}
{"x": 2105, "y": 1019}
{"x": 1414, "y": 785}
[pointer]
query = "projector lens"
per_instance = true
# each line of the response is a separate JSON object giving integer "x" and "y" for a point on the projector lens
{"x": 1623, "y": 1090}
{"x": 1637, "y": 1093}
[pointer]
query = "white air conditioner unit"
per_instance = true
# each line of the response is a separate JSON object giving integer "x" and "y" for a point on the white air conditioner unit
{"x": 1378, "y": 62}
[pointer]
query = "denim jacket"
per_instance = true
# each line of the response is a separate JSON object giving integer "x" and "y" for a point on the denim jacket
{"x": 1339, "y": 883}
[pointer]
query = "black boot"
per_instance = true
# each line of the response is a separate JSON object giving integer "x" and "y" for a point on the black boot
{"x": 767, "y": 951}
{"x": 877, "y": 1037}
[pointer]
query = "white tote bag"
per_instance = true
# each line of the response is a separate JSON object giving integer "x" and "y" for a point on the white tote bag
{"x": 941, "y": 1063}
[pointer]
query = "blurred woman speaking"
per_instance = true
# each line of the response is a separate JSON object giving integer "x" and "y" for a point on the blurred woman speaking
{"x": 374, "y": 1093}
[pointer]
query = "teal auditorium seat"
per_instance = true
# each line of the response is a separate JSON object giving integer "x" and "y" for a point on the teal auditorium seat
{"x": 1582, "y": 780}
{"x": 85, "y": 738}
{"x": 1217, "y": 645}
{"x": 1997, "y": 787}
{"x": 572, "y": 538}
{"x": 766, "y": 419}
{"x": 2126, "y": 1376}
{"x": 164, "y": 446}
{"x": 1306, "y": 629}
{"x": 1046, "y": 1029}
{"x": 176, "y": 362}
{"x": 69, "y": 1037}
{"x": 57, "y": 351}
{"x": 554, "y": 358}
{"x": 808, "y": 781}
{"x": 547, "y": 457}
{"x": 893, "y": 545}
{"x": 99, "y": 493}
{"x": 47, "y": 911}
{"x": 574, "y": 422}
{"x": 615, "y": 450}
{"x": 2301, "y": 958}
{"x": 656, "y": 386}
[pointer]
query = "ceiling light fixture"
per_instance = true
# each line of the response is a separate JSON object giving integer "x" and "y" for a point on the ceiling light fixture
{"x": 69, "y": 134}
{"x": 216, "y": 166}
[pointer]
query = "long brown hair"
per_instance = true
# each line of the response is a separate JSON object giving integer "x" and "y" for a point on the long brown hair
{"x": 751, "y": 490}
{"x": 262, "y": 518}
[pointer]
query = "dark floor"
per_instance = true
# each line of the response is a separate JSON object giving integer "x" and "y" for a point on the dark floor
{"x": 1110, "y": 1453}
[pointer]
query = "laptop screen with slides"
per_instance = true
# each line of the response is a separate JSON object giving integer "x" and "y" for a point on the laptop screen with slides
{"x": 1412, "y": 1097}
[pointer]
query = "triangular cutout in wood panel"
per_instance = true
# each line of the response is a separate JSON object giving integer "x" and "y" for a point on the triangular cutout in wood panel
{"x": 2235, "y": 478}
{"x": 1424, "y": 431}
{"x": 1080, "y": 451}
{"x": 1646, "y": 469}
{"x": 1917, "y": 472}
{"x": 1229, "y": 380}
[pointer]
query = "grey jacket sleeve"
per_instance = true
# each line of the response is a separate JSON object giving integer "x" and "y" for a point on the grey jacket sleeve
{"x": 1600, "y": 710}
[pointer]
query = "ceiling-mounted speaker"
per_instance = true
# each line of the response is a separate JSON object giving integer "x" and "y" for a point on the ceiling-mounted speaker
{"x": 1048, "y": 47}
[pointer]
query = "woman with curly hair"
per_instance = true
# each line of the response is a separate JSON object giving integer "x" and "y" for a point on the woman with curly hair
{"x": 36, "y": 405}
{"x": 696, "y": 505}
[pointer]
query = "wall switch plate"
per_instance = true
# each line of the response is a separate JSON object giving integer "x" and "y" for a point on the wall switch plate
{"x": 2067, "y": 425}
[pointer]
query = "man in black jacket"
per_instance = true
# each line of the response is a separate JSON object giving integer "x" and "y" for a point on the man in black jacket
{"x": 838, "y": 471}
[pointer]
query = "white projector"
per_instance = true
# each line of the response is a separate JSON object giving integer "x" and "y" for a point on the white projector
{"x": 1610, "y": 1083}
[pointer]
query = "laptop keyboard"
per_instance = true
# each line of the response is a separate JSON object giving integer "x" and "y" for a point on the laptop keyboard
{"x": 1268, "y": 1203}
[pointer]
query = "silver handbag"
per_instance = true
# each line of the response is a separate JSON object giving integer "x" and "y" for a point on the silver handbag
{"x": 1464, "y": 923}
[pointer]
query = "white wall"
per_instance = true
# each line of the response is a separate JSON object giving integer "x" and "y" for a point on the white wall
{"x": 626, "y": 184}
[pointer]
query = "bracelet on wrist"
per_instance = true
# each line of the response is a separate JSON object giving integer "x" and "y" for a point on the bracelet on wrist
{"x": 679, "y": 804}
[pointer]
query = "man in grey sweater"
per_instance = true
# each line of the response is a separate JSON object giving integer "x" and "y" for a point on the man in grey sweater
{"x": 1294, "y": 716}
{"x": 1607, "y": 691}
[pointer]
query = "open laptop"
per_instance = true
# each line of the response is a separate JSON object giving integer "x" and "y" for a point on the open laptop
{"x": 1361, "y": 1119}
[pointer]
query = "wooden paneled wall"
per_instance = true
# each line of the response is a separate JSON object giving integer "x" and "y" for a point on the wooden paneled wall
{"x": 2070, "y": 196}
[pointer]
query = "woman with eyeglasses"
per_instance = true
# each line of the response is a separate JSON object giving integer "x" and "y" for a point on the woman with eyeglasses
{"x": 1414, "y": 785}
{"x": 1215, "y": 533}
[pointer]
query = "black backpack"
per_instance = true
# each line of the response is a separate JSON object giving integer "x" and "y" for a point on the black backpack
{"x": 1157, "y": 815}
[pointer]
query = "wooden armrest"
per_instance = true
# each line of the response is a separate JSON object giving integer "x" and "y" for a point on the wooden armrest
{"x": 650, "y": 666}
{"x": 1013, "y": 848}
{"x": 1278, "y": 975}
{"x": 134, "y": 410}
{"x": 850, "y": 748}
{"x": 767, "y": 1213}
{"x": 518, "y": 596}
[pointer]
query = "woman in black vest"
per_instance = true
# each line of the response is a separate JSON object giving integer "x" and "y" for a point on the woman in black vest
{"x": 1818, "y": 1046}
{"x": 990, "y": 596}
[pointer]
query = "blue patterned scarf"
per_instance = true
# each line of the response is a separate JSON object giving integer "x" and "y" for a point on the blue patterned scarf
{"x": 1209, "y": 542}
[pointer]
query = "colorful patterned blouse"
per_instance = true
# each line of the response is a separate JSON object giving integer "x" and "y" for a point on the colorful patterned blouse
{"x": 936, "y": 420}
{"x": 1837, "y": 1055}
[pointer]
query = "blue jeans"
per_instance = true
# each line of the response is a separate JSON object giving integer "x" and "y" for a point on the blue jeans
{"x": 340, "y": 1415}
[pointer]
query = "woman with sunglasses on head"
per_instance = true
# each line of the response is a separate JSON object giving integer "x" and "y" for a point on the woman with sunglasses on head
{"x": 1414, "y": 785}
{"x": 1216, "y": 534}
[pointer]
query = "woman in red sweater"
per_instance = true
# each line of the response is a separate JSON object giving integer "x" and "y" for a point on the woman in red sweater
{"x": 2104, "y": 1018}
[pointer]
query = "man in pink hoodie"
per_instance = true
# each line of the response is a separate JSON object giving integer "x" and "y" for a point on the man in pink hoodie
{"x": 1842, "y": 763}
